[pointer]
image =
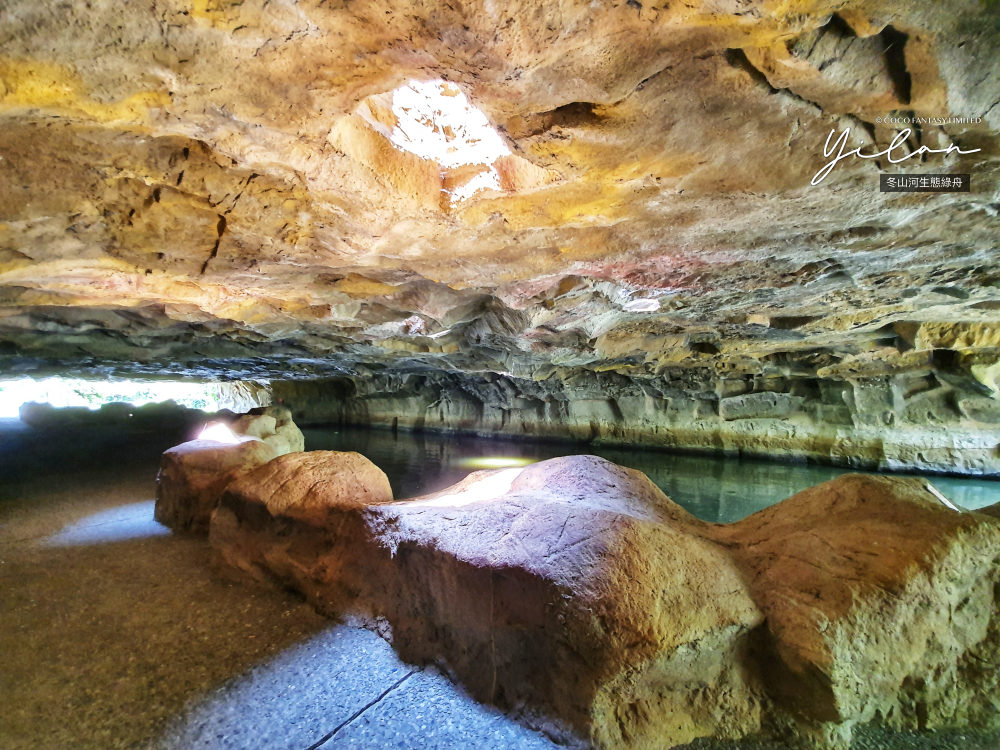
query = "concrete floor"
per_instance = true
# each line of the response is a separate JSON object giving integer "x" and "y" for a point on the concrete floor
{"x": 116, "y": 633}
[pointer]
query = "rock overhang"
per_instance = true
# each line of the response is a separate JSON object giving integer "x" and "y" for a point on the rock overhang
{"x": 207, "y": 192}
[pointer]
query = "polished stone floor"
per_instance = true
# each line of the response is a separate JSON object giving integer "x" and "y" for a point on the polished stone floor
{"x": 116, "y": 633}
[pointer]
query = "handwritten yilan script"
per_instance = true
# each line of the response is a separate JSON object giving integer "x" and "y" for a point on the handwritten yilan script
{"x": 840, "y": 145}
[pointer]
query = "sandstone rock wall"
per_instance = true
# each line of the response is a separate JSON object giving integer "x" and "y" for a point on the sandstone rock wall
{"x": 199, "y": 190}
{"x": 927, "y": 416}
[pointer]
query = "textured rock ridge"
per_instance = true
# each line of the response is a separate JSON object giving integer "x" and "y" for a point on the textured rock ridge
{"x": 581, "y": 595}
{"x": 880, "y": 604}
{"x": 193, "y": 476}
{"x": 273, "y": 425}
{"x": 574, "y": 593}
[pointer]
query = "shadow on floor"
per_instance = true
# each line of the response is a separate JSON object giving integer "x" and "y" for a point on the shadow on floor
{"x": 103, "y": 643}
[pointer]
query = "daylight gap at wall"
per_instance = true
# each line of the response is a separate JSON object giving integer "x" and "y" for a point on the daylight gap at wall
{"x": 92, "y": 394}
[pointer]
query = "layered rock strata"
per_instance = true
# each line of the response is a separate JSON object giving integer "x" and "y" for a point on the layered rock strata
{"x": 875, "y": 416}
{"x": 574, "y": 593}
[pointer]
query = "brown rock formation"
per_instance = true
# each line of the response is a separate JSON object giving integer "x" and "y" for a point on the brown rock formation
{"x": 575, "y": 593}
{"x": 273, "y": 425}
{"x": 880, "y": 603}
{"x": 311, "y": 486}
{"x": 193, "y": 475}
{"x": 580, "y": 596}
{"x": 911, "y": 419}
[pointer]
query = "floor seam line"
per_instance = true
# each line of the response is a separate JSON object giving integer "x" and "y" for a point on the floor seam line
{"x": 326, "y": 738}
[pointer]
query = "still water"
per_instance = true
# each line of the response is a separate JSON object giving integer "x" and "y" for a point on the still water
{"x": 713, "y": 488}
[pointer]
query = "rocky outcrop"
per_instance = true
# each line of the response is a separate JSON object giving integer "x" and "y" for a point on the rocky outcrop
{"x": 652, "y": 261}
{"x": 881, "y": 604}
{"x": 314, "y": 487}
{"x": 242, "y": 396}
{"x": 193, "y": 476}
{"x": 759, "y": 405}
{"x": 574, "y": 593}
{"x": 983, "y": 410}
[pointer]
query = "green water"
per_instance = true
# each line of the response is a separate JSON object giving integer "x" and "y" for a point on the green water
{"x": 712, "y": 488}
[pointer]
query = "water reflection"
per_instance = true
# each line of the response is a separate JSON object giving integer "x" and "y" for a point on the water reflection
{"x": 712, "y": 488}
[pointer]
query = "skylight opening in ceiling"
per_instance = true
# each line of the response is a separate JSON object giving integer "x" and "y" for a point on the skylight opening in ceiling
{"x": 434, "y": 120}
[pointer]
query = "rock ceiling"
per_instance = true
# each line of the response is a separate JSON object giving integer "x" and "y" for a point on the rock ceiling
{"x": 207, "y": 187}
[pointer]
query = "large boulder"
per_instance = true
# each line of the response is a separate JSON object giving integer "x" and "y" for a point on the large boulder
{"x": 193, "y": 475}
{"x": 314, "y": 486}
{"x": 880, "y": 604}
{"x": 573, "y": 590}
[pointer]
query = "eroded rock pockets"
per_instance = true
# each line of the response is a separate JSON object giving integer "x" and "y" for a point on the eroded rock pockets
{"x": 157, "y": 215}
{"x": 581, "y": 598}
{"x": 922, "y": 410}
